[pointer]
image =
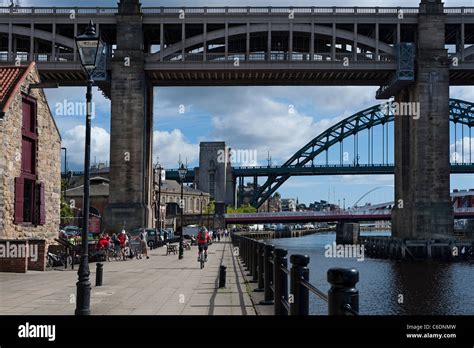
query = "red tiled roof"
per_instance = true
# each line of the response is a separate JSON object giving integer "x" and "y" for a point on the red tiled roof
{"x": 11, "y": 77}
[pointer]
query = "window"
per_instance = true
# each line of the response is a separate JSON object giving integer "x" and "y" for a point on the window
{"x": 29, "y": 194}
{"x": 28, "y": 201}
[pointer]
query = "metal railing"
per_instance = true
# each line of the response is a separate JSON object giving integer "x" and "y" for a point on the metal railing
{"x": 365, "y": 213}
{"x": 340, "y": 213}
{"x": 110, "y": 11}
{"x": 268, "y": 267}
{"x": 275, "y": 56}
{"x": 59, "y": 10}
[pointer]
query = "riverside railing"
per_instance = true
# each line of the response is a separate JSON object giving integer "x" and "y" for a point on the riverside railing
{"x": 268, "y": 267}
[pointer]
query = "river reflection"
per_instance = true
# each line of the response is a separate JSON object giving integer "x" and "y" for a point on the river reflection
{"x": 390, "y": 287}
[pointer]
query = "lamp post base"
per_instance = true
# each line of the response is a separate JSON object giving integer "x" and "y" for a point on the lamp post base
{"x": 83, "y": 289}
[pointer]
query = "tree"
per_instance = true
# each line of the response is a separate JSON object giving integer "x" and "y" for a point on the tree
{"x": 66, "y": 212}
{"x": 210, "y": 208}
{"x": 246, "y": 208}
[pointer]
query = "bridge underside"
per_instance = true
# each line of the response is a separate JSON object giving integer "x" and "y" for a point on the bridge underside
{"x": 246, "y": 75}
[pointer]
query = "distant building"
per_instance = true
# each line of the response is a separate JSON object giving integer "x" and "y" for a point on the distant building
{"x": 214, "y": 174}
{"x": 301, "y": 207}
{"x": 195, "y": 201}
{"x": 248, "y": 191}
{"x": 288, "y": 204}
{"x": 463, "y": 198}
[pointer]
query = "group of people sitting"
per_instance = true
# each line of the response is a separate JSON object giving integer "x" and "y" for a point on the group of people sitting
{"x": 122, "y": 242}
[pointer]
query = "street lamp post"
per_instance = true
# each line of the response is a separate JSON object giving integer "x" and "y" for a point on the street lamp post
{"x": 200, "y": 215}
{"x": 89, "y": 47}
{"x": 65, "y": 159}
{"x": 158, "y": 170}
{"x": 182, "y": 175}
{"x": 208, "y": 213}
{"x": 65, "y": 173}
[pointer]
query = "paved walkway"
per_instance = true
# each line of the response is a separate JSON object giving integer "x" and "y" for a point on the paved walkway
{"x": 161, "y": 285}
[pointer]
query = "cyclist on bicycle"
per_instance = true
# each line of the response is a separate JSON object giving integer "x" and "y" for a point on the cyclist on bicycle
{"x": 203, "y": 240}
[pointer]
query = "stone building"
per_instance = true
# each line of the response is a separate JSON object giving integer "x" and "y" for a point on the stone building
{"x": 98, "y": 196}
{"x": 214, "y": 174}
{"x": 195, "y": 201}
{"x": 288, "y": 204}
{"x": 30, "y": 145}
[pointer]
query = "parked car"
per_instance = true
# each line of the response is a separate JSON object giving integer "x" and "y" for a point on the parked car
{"x": 69, "y": 232}
{"x": 150, "y": 236}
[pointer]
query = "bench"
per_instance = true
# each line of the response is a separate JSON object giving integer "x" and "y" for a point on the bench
{"x": 171, "y": 248}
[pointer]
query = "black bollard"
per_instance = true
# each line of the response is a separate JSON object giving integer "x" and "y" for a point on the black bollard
{"x": 254, "y": 261}
{"x": 280, "y": 280}
{"x": 343, "y": 294}
{"x": 267, "y": 275}
{"x": 299, "y": 270}
{"x": 222, "y": 275}
{"x": 249, "y": 256}
{"x": 260, "y": 262}
{"x": 99, "y": 274}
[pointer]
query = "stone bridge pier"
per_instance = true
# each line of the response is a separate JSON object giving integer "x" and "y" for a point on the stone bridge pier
{"x": 131, "y": 126}
{"x": 422, "y": 203}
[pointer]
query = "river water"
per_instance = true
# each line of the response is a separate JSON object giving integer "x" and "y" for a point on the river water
{"x": 388, "y": 287}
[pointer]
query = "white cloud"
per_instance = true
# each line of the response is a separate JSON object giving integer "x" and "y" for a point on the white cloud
{"x": 169, "y": 145}
{"x": 380, "y": 180}
{"x": 259, "y": 118}
{"x": 74, "y": 140}
{"x": 462, "y": 92}
{"x": 263, "y": 124}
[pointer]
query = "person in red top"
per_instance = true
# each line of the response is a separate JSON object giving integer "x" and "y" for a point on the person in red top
{"x": 122, "y": 237}
{"x": 203, "y": 240}
{"x": 103, "y": 242}
{"x": 103, "y": 245}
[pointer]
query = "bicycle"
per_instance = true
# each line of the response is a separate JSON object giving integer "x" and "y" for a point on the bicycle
{"x": 202, "y": 258}
{"x": 113, "y": 253}
{"x": 59, "y": 260}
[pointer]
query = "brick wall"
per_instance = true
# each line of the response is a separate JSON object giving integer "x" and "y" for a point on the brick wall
{"x": 25, "y": 262}
{"x": 40, "y": 263}
{"x": 14, "y": 265}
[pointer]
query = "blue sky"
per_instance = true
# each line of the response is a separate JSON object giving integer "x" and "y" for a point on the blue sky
{"x": 253, "y": 118}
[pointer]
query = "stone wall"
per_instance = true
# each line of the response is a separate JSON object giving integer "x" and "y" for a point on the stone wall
{"x": 223, "y": 181}
{"x": 48, "y": 166}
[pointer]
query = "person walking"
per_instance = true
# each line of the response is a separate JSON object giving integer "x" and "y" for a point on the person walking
{"x": 143, "y": 244}
{"x": 123, "y": 242}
